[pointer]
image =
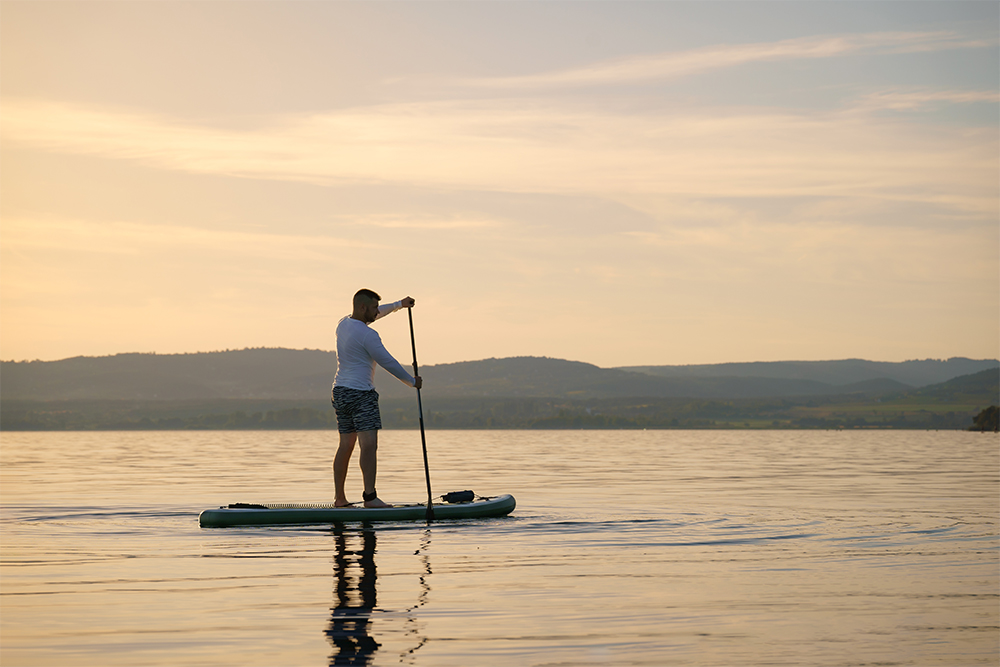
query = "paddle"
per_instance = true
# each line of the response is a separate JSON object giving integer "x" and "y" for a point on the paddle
{"x": 420, "y": 407}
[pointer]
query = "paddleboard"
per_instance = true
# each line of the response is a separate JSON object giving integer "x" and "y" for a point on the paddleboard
{"x": 269, "y": 514}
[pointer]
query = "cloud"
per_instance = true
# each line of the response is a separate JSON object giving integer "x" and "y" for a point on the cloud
{"x": 510, "y": 146}
{"x": 23, "y": 235}
{"x": 685, "y": 63}
{"x": 418, "y": 222}
{"x": 911, "y": 99}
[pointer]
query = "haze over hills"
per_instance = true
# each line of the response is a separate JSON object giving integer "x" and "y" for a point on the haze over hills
{"x": 251, "y": 373}
{"x": 916, "y": 373}
{"x": 537, "y": 377}
{"x": 275, "y": 373}
{"x": 290, "y": 389}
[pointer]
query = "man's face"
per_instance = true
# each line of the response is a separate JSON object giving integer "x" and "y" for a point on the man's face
{"x": 371, "y": 311}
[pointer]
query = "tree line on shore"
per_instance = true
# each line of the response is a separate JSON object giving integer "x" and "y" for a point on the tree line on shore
{"x": 519, "y": 413}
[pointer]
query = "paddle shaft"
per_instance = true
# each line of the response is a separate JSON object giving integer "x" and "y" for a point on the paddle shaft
{"x": 420, "y": 408}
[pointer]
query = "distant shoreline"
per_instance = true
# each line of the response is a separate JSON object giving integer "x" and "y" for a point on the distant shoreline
{"x": 290, "y": 389}
{"x": 905, "y": 412}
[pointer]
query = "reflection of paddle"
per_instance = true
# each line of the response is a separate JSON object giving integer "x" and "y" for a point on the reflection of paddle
{"x": 420, "y": 407}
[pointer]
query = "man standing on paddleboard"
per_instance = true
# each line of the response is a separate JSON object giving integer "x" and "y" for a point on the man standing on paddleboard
{"x": 359, "y": 348}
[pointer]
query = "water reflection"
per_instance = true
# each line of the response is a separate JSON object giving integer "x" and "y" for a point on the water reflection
{"x": 413, "y": 629}
{"x": 350, "y": 628}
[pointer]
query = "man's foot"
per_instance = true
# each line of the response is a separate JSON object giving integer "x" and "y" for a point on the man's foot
{"x": 342, "y": 503}
{"x": 375, "y": 502}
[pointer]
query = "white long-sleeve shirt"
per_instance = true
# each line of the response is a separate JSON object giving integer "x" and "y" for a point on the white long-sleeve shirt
{"x": 359, "y": 348}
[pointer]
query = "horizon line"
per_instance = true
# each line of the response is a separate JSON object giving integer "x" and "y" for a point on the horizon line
{"x": 468, "y": 361}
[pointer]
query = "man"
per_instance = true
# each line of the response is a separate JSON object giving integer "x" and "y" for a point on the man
{"x": 359, "y": 348}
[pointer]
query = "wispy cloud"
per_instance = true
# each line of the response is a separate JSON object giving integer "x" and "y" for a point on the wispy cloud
{"x": 909, "y": 99}
{"x": 514, "y": 146}
{"x": 137, "y": 238}
{"x": 635, "y": 69}
{"x": 418, "y": 222}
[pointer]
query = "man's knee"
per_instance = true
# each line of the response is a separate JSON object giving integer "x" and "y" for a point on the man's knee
{"x": 368, "y": 439}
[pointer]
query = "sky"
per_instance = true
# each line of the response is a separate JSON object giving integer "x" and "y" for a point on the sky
{"x": 620, "y": 183}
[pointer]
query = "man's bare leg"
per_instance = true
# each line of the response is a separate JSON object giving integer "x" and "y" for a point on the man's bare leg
{"x": 341, "y": 462}
{"x": 368, "y": 440}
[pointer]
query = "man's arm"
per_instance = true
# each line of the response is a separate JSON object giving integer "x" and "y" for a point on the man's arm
{"x": 373, "y": 344}
{"x": 387, "y": 308}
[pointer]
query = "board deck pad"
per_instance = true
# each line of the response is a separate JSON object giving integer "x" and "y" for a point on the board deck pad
{"x": 265, "y": 514}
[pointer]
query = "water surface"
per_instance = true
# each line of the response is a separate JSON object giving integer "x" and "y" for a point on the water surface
{"x": 627, "y": 548}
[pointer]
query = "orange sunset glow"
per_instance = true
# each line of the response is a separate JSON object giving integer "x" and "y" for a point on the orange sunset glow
{"x": 628, "y": 183}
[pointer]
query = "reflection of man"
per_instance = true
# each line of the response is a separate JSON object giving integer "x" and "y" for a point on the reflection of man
{"x": 359, "y": 348}
{"x": 350, "y": 622}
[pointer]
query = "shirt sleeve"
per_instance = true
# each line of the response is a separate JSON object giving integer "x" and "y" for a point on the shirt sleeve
{"x": 387, "y": 308}
{"x": 373, "y": 344}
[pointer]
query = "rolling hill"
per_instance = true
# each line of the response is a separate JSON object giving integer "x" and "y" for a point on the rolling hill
{"x": 282, "y": 374}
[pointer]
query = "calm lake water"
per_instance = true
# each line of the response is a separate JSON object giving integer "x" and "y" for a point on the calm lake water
{"x": 627, "y": 548}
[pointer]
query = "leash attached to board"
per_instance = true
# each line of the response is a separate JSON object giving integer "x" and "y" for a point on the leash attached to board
{"x": 420, "y": 408}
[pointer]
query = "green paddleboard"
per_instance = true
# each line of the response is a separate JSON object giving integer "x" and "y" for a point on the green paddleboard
{"x": 249, "y": 514}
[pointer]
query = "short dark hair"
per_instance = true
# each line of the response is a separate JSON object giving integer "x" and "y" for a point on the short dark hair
{"x": 365, "y": 295}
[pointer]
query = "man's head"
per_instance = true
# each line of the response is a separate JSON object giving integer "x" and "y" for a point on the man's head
{"x": 366, "y": 305}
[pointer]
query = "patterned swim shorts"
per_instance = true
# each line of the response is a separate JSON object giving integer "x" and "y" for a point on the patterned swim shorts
{"x": 357, "y": 410}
